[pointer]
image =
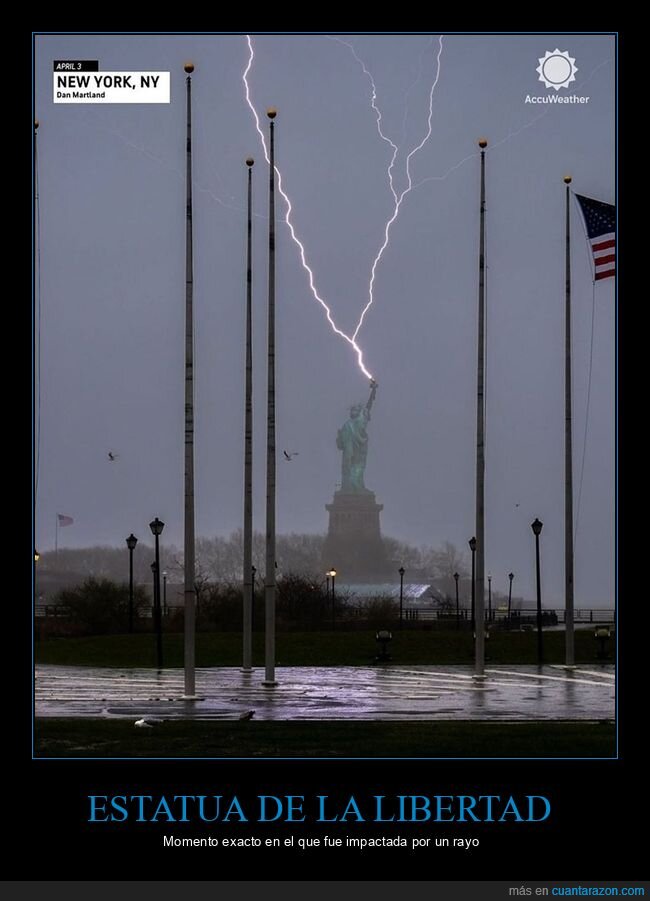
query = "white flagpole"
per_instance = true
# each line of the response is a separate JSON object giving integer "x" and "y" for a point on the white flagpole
{"x": 568, "y": 452}
{"x": 270, "y": 577}
{"x": 189, "y": 559}
{"x": 479, "y": 615}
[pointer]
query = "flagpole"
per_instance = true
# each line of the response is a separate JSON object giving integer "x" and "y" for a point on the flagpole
{"x": 36, "y": 352}
{"x": 568, "y": 453}
{"x": 479, "y": 619}
{"x": 56, "y": 534}
{"x": 189, "y": 544}
{"x": 248, "y": 442}
{"x": 269, "y": 593}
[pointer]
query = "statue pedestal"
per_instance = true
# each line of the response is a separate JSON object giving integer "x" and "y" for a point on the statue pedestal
{"x": 354, "y": 546}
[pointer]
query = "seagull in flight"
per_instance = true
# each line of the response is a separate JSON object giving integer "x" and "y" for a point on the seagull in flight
{"x": 112, "y": 456}
{"x": 290, "y": 455}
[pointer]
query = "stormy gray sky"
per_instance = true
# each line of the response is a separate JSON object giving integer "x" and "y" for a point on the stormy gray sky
{"x": 112, "y": 291}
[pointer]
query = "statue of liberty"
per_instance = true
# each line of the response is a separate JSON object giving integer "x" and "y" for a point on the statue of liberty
{"x": 352, "y": 439}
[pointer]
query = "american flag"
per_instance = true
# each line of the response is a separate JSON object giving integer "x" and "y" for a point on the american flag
{"x": 65, "y": 520}
{"x": 600, "y": 220}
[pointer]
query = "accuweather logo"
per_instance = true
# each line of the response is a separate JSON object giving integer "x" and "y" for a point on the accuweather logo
{"x": 557, "y": 70}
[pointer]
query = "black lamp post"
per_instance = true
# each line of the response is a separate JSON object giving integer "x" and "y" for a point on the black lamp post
{"x": 155, "y": 613}
{"x": 456, "y": 577}
{"x": 537, "y": 528}
{"x": 254, "y": 584}
{"x": 131, "y": 542}
{"x": 156, "y": 527}
{"x": 489, "y": 597}
{"x": 401, "y": 594}
{"x": 472, "y": 547}
{"x": 332, "y": 575}
{"x": 164, "y": 592}
{"x": 510, "y": 577}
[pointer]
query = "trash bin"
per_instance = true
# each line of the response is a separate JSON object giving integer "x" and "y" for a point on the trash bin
{"x": 602, "y": 636}
{"x": 382, "y": 638}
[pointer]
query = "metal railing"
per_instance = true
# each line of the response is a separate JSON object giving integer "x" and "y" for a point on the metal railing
{"x": 555, "y": 616}
{"x": 60, "y": 610}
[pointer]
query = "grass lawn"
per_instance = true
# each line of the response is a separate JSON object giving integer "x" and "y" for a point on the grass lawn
{"x": 338, "y": 648}
{"x": 187, "y": 738}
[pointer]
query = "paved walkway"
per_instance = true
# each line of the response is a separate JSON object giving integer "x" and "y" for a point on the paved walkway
{"x": 332, "y": 693}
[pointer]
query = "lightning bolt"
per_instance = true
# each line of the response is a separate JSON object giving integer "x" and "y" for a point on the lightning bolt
{"x": 398, "y": 198}
{"x": 301, "y": 249}
{"x": 373, "y": 103}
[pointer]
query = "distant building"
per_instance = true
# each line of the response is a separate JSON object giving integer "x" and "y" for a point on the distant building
{"x": 415, "y": 594}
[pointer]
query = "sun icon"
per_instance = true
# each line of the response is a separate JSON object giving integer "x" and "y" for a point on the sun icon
{"x": 557, "y": 69}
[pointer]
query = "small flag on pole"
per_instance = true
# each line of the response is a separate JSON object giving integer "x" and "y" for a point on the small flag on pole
{"x": 600, "y": 220}
{"x": 65, "y": 520}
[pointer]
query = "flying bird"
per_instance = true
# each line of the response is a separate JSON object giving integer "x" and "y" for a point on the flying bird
{"x": 247, "y": 716}
{"x": 290, "y": 456}
{"x": 112, "y": 456}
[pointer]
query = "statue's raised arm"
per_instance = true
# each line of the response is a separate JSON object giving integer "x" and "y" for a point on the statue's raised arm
{"x": 371, "y": 399}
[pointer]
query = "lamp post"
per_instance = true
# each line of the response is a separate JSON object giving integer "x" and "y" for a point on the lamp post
{"x": 489, "y": 597}
{"x": 401, "y": 594}
{"x": 536, "y": 526}
{"x": 327, "y": 590}
{"x": 456, "y": 577}
{"x": 164, "y": 592}
{"x": 154, "y": 612}
{"x": 510, "y": 578}
{"x": 37, "y": 556}
{"x": 472, "y": 547}
{"x": 156, "y": 527}
{"x": 131, "y": 542}
{"x": 254, "y": 585}
{"x": 332, "y": 575}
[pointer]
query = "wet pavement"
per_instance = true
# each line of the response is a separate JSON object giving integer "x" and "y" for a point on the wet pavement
{"x": 332, "y": 693}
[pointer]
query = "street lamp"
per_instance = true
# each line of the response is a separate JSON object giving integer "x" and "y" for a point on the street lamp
{"x": 156, "y": 527}
{"x": 131, "y": 542}
{"x": 537, "y": 528}
{"x": 510, "y": 577}
{"x": 254, "y": 584}
{"x": 401, "y": 594}
{"x": 472, "y": 547}
{"x": 489, "y": 597}
{"x": 456, "y": 577}
{"x": 37, "y": 556}
{"x": 153, "y": 609}
{"x": 165, "y": 592}
{"x": 332, "y": 575}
